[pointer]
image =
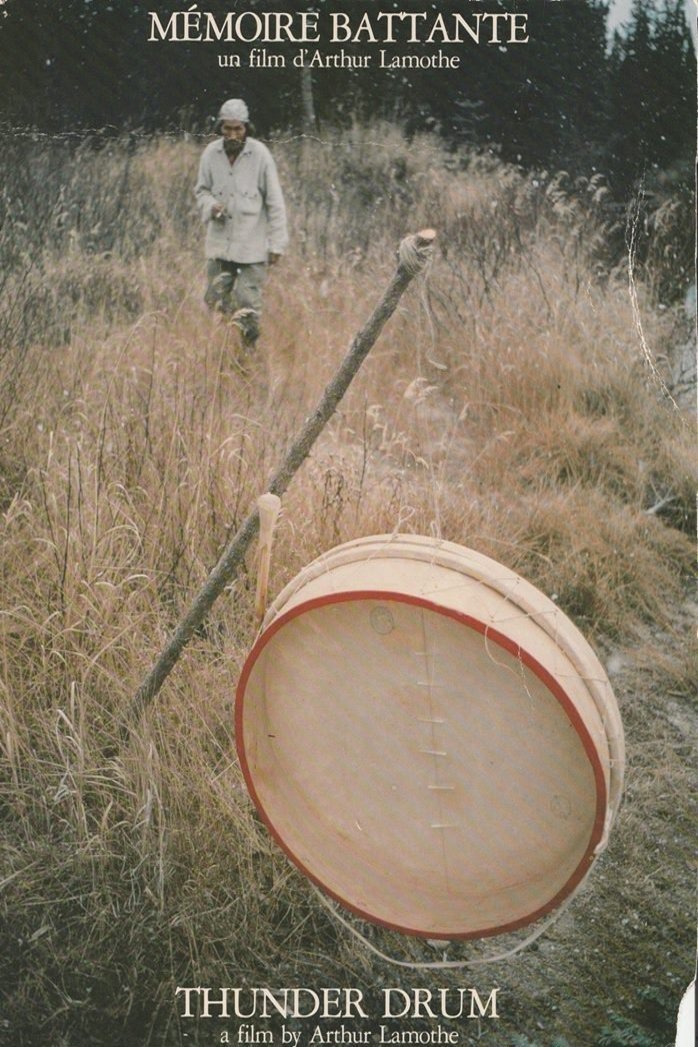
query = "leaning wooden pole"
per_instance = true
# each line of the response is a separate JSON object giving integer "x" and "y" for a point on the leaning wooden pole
{"x": 413, "y": 254}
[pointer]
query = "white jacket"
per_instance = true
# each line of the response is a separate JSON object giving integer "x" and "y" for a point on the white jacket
{"x": 254, "y": 220}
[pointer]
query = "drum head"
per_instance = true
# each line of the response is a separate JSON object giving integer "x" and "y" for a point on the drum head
{"x": 418, "y": 765}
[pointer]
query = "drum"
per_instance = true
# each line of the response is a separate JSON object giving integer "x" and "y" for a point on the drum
{"x": 429, "y": 738}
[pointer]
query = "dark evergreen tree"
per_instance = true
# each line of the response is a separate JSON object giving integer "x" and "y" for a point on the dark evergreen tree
{"x": 675, "y": 87}
{"x": 652, "y": 94}
{"x": 560, "y": 100}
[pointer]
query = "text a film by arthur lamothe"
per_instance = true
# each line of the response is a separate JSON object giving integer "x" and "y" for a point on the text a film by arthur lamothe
{"x": 339, "y": 39}
{"x": 303, "y": 1017}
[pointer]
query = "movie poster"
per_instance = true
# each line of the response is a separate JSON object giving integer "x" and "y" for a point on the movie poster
{"x": 472, "y": 222}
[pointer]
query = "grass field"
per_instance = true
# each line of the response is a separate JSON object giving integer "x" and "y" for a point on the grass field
{"x": 511, "y": 404}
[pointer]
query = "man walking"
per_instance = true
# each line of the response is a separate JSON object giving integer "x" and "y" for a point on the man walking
{"x": 242, "y": 206}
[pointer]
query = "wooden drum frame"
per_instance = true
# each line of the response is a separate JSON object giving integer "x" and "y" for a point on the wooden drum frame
{"x": 429, "y": 738}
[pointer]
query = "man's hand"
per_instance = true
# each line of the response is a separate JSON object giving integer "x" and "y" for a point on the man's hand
{"x": 217, "y": 211}
{"x": 273, "y": 257}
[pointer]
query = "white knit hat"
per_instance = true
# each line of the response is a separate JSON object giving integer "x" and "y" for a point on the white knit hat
{"x": 233, "y": 109}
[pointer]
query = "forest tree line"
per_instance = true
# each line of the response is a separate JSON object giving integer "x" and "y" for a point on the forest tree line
{"x": 569, "y": 98}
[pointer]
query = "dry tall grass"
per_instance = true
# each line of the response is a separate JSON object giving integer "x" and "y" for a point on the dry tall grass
{"x": 508, "y": 406}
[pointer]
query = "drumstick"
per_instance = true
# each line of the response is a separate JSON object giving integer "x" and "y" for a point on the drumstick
{"x": 268, "y": 505}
